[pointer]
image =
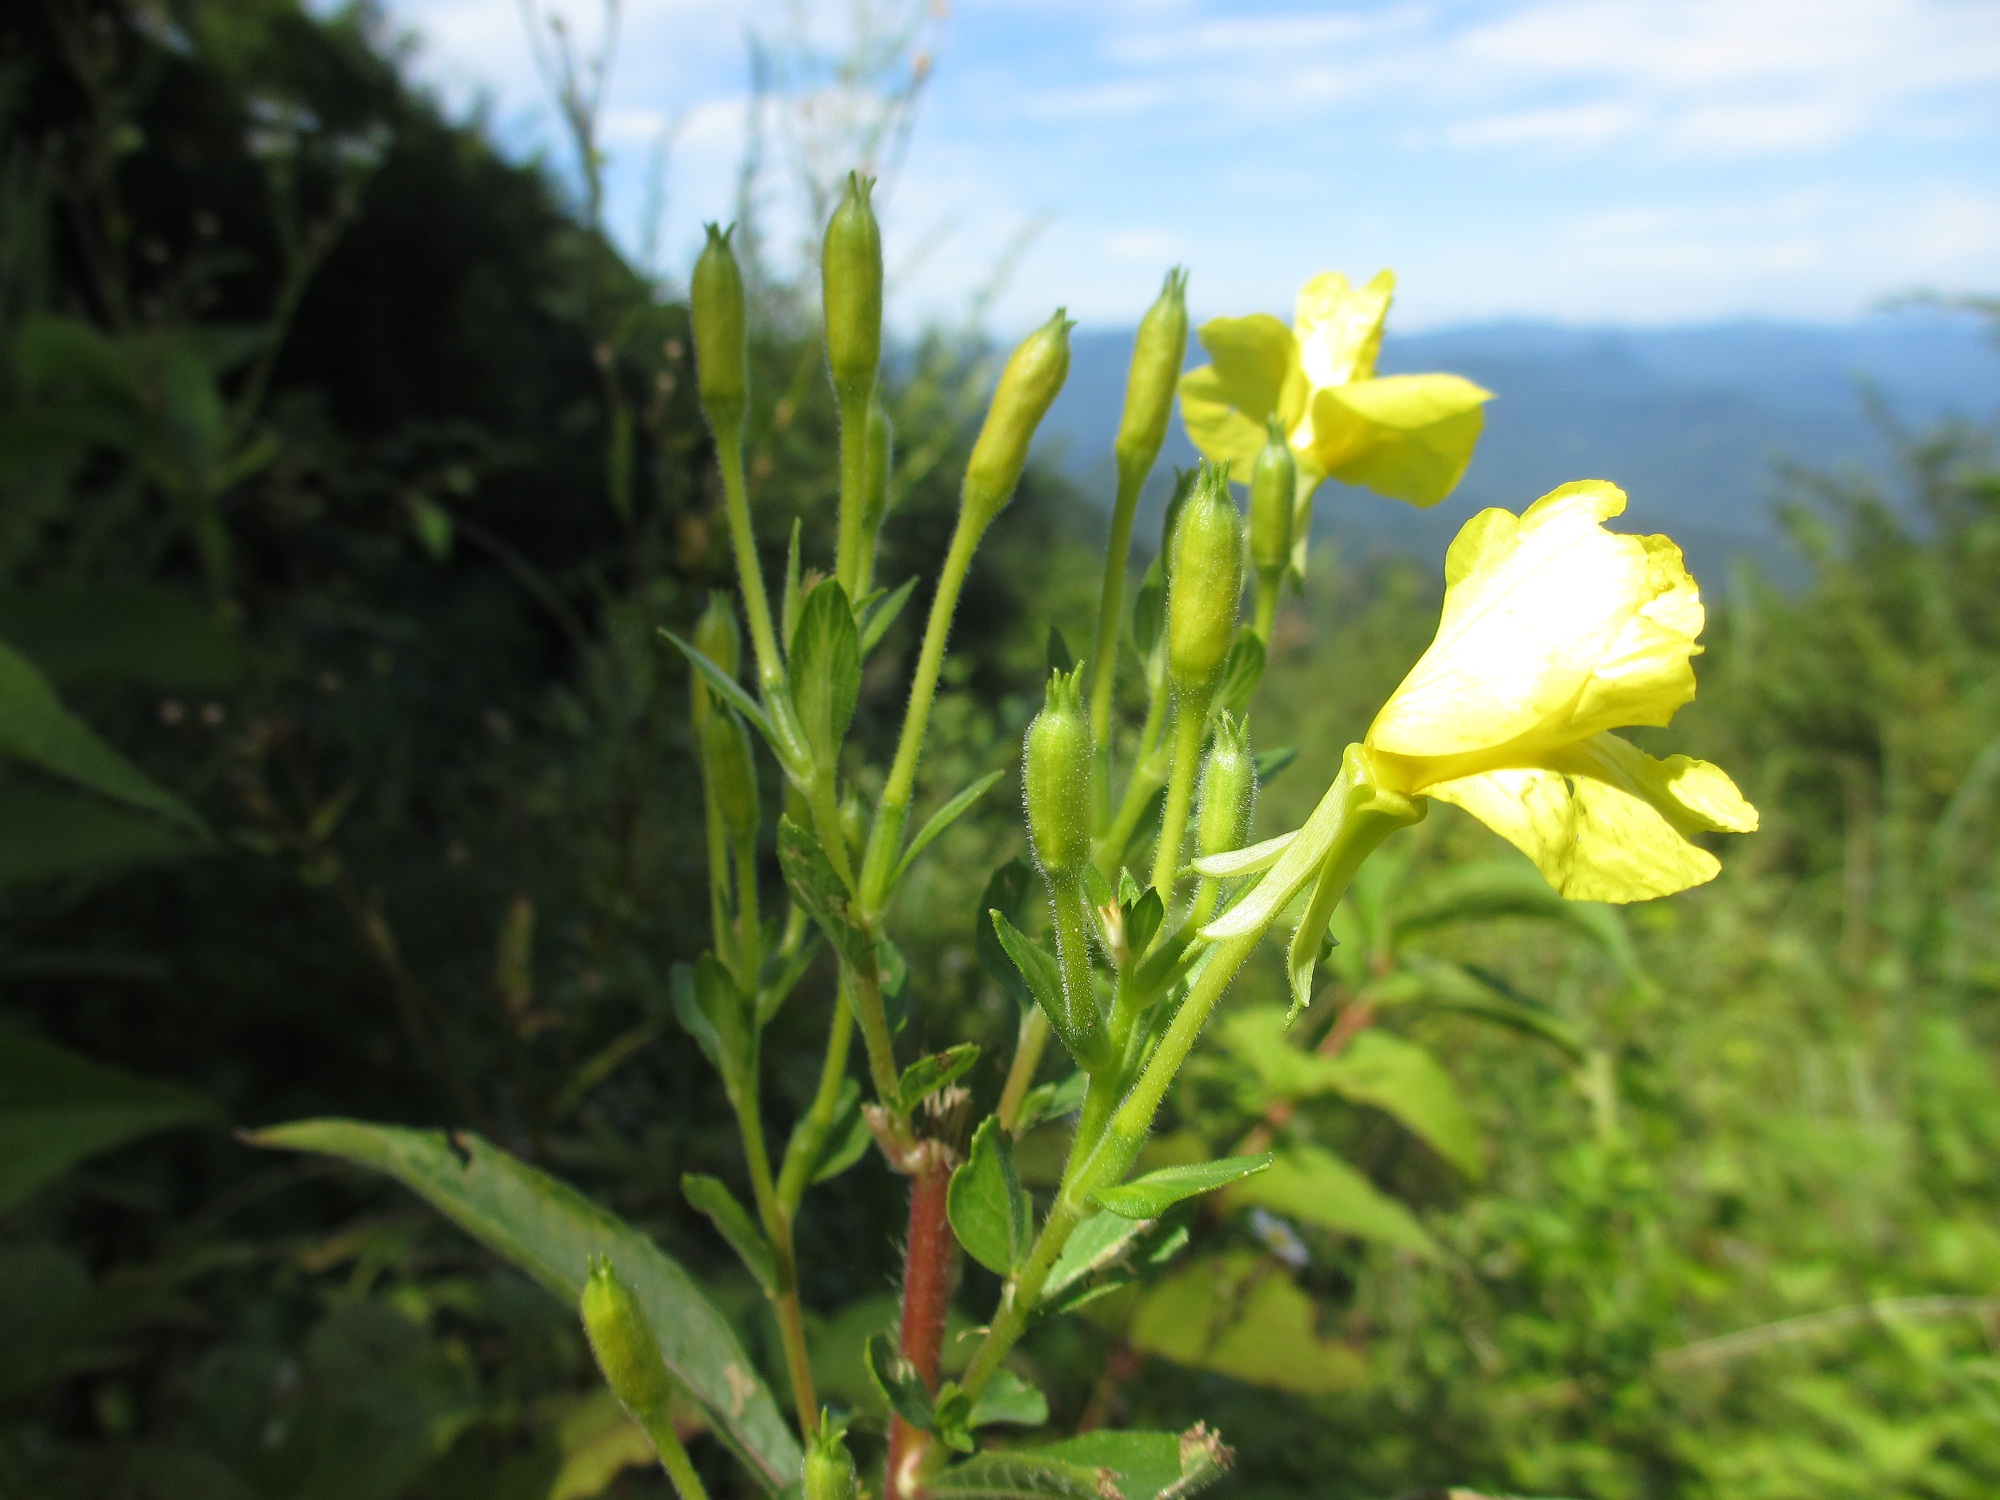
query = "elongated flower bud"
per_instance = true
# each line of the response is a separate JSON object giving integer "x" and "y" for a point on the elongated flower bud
{"x": 881, "y": 455}
{"x": 829, "y": 1468}
{"x": 850, "y": 261}
{"x": 715, "y": 637}
{"x": 1204, "y": 584}
{"x": 721, "y": 331}
{"x": 1228, "y": 790}
{"x": 1157, "y": 354}
{"x": 624, "y": 1346}
{"x": 1273, "y": 486}
{"x": 731, "y": 770}
{"x": 1035, "y": 372}
{"x": 1055, "y": 773}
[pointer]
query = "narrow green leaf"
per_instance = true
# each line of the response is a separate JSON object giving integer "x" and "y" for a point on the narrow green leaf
{"x": 1314, "y": 1186}
{"x": 882, "y": 614}
{"x": 811, "y": 878}
{"x": 730, "y": 690}
{"x": 36, "y": 728}
{"x": 1150, "y": 1196}
{"x": 824, "y": 670}
{"x": 847, "y": 1138}
{"x": 1246, "y": 861}
{"x": 1010, "y": 1400}
{"x": 897, "y": 1379}
{"x": 1051, "y": 1101}
{"x": 927, "y": 1075}
{"x": 1403, "y": 1080}
{"x": 778, "y": 986}
{"x": 1271, "y": 762}
{"x": 1474, "y": 991}
{"x": 55, "y": 833}
{"x": 793, "y": 596}
{"x": 1061, "y": 658}
{"x": 711, "y": 1196}
{"x": 989, "y": 1211}
{"x": 1096, "y": 1245}
{"x": 1007, "y": 893}
{"x": 552, "y": 1232}
{"x": 1037, "y": 967}
{"x": 56, "y": 1108}
{"x": 1142, "y": 921}
{"x": 710, "y": 1009}
{"x": 942, "y": 819}
{"x": 1021, "y": 1476}
{"x": 1150, "y": 1465}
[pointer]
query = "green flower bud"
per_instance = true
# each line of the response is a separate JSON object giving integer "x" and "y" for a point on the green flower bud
{"x": 624, "y": 1346}
{"x": 1055, "y": 773}
{"x": 850, "y": 261}
{"x": 1035, "y": 372}
{"x": 731, "y": 770}
{"x": 721, "y": 331}
{"x": 1204, "y": 585}
{"x": 881, "y": 455}
{"x": 1228, "y": 790}
{"x": 1273, "y": 487}
{"x": 829, "y": 1468}
{"x": 715, "y": 637}
{"x": 1155, "y": 375}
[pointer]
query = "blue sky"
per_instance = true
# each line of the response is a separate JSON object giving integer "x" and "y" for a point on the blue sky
{"x": 1628, "y": 161}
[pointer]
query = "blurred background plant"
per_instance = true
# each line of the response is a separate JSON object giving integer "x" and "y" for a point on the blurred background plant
{"x": 347, "y": 472}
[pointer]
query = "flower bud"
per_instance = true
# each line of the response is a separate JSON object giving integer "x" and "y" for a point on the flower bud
{"x": 721, "y": 332}
{"x": 715, "y": 637}
{"x": 1055, "y": 775}
{"x": 829, "y": 1468}
{"x": 731, "y": 770}
{"x": 1035, "y": 372}
{"x": 1228, "y": 790}
{"x": 624, "y": 1346}
{"x": 1273, "y": 487}
{"x": 1204, "y": 584}
{"x": 850, "y": 262}
{"x": 875, "y": 482}
{"x": 1157, "y": 355}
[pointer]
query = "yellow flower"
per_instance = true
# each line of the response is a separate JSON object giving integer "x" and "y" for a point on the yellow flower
{"x": 1405, "y": 436}
{"x": 1554, "y": 632}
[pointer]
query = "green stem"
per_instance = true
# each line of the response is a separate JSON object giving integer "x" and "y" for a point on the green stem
{"x": 1071, "y": 910}
{"x": 1028, "y": 1046}
{"x": 1110, "y": 606}
{"x": 749, "y": 934}
{"x": 749, "y": 571}
{"x": 1190, "y": 725}
{"x": 778, "y": 1230}
{"x": 866, "y": 990}
{"x": 792, "y": 1179}
{"x": 885, "y": 839}
{"x": 1139, "y": 790}
{"x": 673, "y": 1457}
{"x": 718, "y": 876}
{"x": 852, "y": 545}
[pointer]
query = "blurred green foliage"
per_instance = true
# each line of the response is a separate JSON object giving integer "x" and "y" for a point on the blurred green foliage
{"x": 346, "y": 473}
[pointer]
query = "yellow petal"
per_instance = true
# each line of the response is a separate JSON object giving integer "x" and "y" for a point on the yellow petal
{"x": 1552, "y": 630}
{"x": 1218, "y": 430}
{"x": 1604, "y": 821}
{"x": 1339, "y": 327}
{"x": 1409, "y": 437}
{"x": 1254, "y": 373}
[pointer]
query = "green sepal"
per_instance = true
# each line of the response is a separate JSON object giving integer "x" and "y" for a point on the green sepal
{"x": 711, "y": 1196}
{"x": 1142, "y": 921}
{"x": 927, "y": 1075}
{"x": 1241, "y": 672}
{"x": 897, "y": 1379}
{"x": 1150, "y": 1196}
{"x": 824, "y": 671}
{"x": 989, "y": 1211}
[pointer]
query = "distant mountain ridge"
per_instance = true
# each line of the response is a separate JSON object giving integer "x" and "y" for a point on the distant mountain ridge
{"x": 1692, "y": 422}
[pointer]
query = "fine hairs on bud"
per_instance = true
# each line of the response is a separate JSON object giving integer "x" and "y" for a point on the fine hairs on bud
{"x": 829, "y": 1472}
{"x": 717, "y": 309}
{"x": 1157, "y": 354}
{"x": 1034, "y": 374}
{"x": 1228, "y": 789}
{"x": 1055, "y": 779}
{"x": 851, "y": 291}
{"x": 624, "y": 1346}
{"x": 1273, "y": 489}
{"x": 1204, "y": 584}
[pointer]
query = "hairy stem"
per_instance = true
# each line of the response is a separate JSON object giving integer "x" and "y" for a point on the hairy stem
{"x": 1268, "y": 588}
{"x": 852, "y": 547}
{"x": 1190, "y": 724}
{"x": 785, "y": 1295}
{"x": 1146, "y": 778}
{"x": 1028, "y": 1046}
{"x": 927, "y": 1267}
{"x": 792, "y": 1179}
{"x": 1110, "y": 606}
{"x": 749, "y": 571}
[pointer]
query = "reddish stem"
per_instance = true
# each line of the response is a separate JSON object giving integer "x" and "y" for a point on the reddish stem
{"x": 927, "y": 1268}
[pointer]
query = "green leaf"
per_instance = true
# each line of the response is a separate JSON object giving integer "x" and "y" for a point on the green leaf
{"x": 824, "y": 670}
{"x": 141, "y": 633}
{"x": 880, "y": 615}
{"x": 1241, "y": 673}
{"x": 711, "y": 1196}
{"x": 844, "y": 1141}
{"x": 1142, "y": 921}
{"x": 1314, "y": 1186}
{"x": 729, "y": 689}
{"x": 897, "y": 1379}
{"x": 927, "y": 1075}
{"x": 1010, "y": 1400}
{"x": 1036, "y": 966}
{"x": 989, "y": 1211}
{"x": 1051, "y": 1101}
{"x": 1473, "y": 991}
{"x": 788, "y": 605}
{"x": 1149, "y": 608}
{"x": 711, "y": 1010}
{"x": 1150, "y": 1196}
{"x": 53, "y": 833}
{"x": 1007, "y": 893}
{"x": 1242, "y": 1315}
{"x": 1150, "y": 1465}
{"x": 1061, "y": 658}
{"x": 811, "y": 878}
{"x": 1017, "y": 1475}
{"x": 553, "y": 1232}
{"x": 56, "y": 1108}
{"x": 1271, "y": 762}
{"x": 36, "y": 728}
{"x": 942, "y": 819}
{"x": 1099, "y": 1243}
{"x": 778, "y": 986}
{"x": 1489, "y": 889}
{"x": 1402, "y": 1079}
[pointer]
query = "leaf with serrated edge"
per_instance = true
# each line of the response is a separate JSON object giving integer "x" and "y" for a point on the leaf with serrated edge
{"x": 1152, "y": 1195}
{"x": 711, "y": 1196}
{"x": 942, "y": 819}
{"x": 553, "y": 1232}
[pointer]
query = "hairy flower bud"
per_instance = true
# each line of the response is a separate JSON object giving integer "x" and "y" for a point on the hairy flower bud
{"x": 1035, "y": 372}
{"x": 1273, "y": 488}
{"x": 881, "y": 454}
{"x": 829, "y": 1468}
{"x": 731, "y": 770}
{"x": 1055, "y": 773}
{"x": 1157, "y": 354}
{"x": 715, "y": 637}
{"x": 721, "y": 331}
{"x": 1228, "y": 790}
{"x": 624, "y": 1346}
{"x": 1204, "y": 584}
{"x": 851, "y": 290}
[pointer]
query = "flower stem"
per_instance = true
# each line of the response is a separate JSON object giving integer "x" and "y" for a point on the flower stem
{"x": 1190, "y": 725}
{"x": 778, "y": 1230}
{"x": 1110, "y": 605}
{"x": 927, "y": 1266}
{"x": 1268, "y": 588}
{"x": 1139, "y": 790}
{"x": 749, "y": 571}
{"x": 1028, "y": 1046}
{"x": 849, "y": 559}
{"x": 819, "y": 1115}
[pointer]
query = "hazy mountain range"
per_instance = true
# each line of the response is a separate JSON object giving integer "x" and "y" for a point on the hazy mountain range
{"x": 1693, "y": 422}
